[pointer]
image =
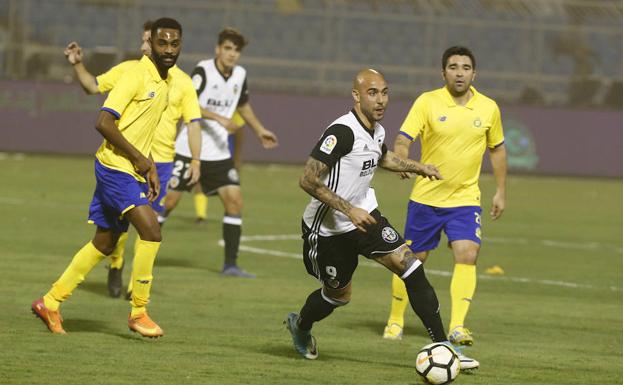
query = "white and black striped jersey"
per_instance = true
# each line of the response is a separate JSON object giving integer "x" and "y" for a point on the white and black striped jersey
{"x": 221, "y": 95}
{"x": 352, "y": 153}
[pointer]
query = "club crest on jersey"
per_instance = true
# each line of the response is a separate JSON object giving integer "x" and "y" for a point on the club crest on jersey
{"x": 389, "y": 235}
{"x": 477, "y": 122}
{"x": 328, "y": 144}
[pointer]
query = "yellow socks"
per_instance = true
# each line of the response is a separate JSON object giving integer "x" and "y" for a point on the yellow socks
{"x": 80, "y": 266}
{"x": 144, "y": 257}
{"x": 116, "y": 258}
{"x": 462, "y": 288}
{"x": 400, "y": 300}
{"x": 201, "y": 205}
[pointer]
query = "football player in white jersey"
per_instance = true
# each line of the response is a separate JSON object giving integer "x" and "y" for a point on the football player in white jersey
{"x": 222, "y": 90}
{"x": 342, "y": 219}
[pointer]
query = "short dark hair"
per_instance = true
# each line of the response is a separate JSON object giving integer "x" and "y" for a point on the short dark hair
{"x": 457, "y": 50}
{"x": 147, "y": 25}
{"x": 165, "y": 22}
{"x": 234, "y": 36}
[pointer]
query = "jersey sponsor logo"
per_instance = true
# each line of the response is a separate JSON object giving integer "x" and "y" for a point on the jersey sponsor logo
{"x": 368, "y": 167}
{"x": 389, "y": 235}
{"x": 232, "y": 175}
{"x": 328, "y": 144}
{"x": 219, "y": 103}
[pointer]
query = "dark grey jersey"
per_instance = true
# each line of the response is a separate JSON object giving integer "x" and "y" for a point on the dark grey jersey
{"x": 352, "y": 153}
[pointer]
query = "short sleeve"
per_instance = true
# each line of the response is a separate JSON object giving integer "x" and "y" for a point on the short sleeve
{"x": 190, "y": 103}
{"x": 199, "y": 79}
{"x": 336, "y": 142}
{"x": 416, "y": 119}
{"x": 244, "y": 94}
{"x": 107, "y": 80}
{"x": 495, "y": 135}
{"x": 123, "y": 93}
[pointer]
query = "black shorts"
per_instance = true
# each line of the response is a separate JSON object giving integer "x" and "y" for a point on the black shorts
{"x": 214, "y": 174}
{"x": 333, "y": 259}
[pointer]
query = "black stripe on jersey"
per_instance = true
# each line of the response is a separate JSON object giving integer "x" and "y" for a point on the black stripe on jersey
{"x": 333, "y": 181}
{"x": 204, "y": 79}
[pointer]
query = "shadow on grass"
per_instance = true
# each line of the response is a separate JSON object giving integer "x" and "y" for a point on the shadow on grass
{"x": 95, "y": 326}
{"x": 287, "y": 351}
{"x": 377, "y": 326}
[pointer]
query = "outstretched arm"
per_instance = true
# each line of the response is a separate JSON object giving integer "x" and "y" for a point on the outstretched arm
{"x": 393, "y": 162}
{"x": 73, "y": 53}
{"x": 497, "y": 156}
{"x": 311, "y": 182}
{"x": 268, "y": 138}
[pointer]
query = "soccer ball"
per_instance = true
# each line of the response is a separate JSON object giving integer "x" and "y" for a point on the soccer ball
{"x": 437, "y": 363}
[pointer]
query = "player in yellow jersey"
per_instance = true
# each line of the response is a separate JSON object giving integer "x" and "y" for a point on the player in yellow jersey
{"x": 127, "y": 180}
{"x": 455, "y": 124}
{"x": 183, "y": 103}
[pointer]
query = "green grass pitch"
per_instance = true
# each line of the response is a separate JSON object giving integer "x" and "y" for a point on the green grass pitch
{"x": 555, "y": 317}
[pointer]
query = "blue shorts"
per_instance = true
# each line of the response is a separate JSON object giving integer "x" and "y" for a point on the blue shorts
{"x": 115, "y": 193}
{"x": 425, "y": 223}
{"x": 164, "y": 174}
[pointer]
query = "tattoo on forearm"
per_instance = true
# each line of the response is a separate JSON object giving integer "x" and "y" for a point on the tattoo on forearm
{"x": 311, "y": 182}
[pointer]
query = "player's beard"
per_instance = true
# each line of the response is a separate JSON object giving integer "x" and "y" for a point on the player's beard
{"x": 161, "y": 61}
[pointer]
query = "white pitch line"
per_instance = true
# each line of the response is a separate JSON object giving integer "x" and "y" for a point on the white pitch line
{"x": 289, "y": 237}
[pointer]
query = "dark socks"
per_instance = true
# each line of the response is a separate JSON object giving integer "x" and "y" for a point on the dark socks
{"x": 315, "y": 309}
{"x": 425, "y": 304}
{"x": 231, "y": 237}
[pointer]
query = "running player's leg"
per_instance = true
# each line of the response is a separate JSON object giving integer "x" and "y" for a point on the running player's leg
{"x": 201, "y": 204}
{"x": 231, "y": 196}
{"x": 422, "y": 233}
{"x": 464, "y": 233}
{"x": 332, "y": 260}
{"x": 143, "y": 218}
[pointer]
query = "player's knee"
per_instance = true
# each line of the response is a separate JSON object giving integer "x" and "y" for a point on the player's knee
{"x": 337, "y": 297}
{"x": 105, "y": 248}
{"x": 151, "y": 233}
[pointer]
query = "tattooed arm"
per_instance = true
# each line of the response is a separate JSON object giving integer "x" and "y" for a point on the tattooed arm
{"x": 393, "y": 162}
{"x": 311, "y": 182}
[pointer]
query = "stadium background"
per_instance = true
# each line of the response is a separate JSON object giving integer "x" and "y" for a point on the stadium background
{"x": 555, "y": 67}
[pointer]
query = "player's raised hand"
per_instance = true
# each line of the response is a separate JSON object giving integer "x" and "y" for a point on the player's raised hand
{"x": 268, "y": 139}
{"x": 498, "y": 205}
{"x": 154, "y": 183}
{"x": 73, "y": 53}
{"x": 194, "y": 171}
{"x": 361, "y": 218}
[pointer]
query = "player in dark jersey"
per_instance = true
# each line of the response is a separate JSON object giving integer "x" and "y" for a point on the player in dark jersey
{"x": 342, "y": 220}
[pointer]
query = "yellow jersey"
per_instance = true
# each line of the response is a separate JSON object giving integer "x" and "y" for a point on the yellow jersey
{"x": 182, "y": 103}
{"x": 138, "y": 100}
{"x": 454, "y": 139}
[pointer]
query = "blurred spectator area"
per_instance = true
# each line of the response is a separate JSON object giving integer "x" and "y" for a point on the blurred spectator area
{"x": 545, "y": 52}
